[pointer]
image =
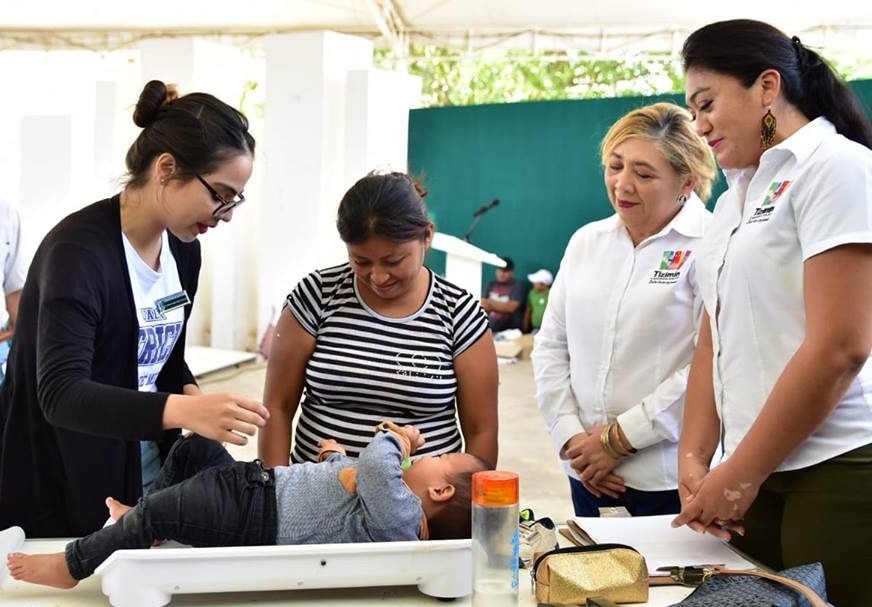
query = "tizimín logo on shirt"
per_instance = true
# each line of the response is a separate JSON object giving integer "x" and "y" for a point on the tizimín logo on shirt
{"x": 764, "y": 211}
{"x": 670, "y": 267}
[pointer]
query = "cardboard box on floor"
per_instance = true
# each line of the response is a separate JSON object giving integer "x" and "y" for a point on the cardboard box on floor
{"x": 526, "y": 343}
{"x": 515, "y": 348}
{"x": 508, "y": 348}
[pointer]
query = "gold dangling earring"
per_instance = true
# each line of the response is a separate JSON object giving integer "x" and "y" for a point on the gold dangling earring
{"x": 767, "y": 129}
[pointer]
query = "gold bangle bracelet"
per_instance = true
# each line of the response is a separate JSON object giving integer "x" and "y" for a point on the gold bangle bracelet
{"x": 621, "y": 441}
{"x": 615, "y": 444}
{"x": 607, "y": 445}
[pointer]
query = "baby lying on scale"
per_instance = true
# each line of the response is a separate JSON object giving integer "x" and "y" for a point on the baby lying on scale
{"x": 203, "y": 497}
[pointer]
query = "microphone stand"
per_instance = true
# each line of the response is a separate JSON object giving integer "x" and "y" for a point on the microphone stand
{"x": 472, "y": 227}
{"x": 476, "y": 217}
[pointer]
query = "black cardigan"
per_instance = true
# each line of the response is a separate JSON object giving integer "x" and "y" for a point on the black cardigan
{"x": 71, "y": 416}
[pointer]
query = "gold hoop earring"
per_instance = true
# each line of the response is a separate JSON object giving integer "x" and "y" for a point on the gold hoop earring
{"x": 767, "y": 129}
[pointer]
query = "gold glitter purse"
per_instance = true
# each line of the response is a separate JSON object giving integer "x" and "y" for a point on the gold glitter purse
{"x": 569, "y": 576}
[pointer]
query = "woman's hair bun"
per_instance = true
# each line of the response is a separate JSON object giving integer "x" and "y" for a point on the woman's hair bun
{"x": 419, "y": 187}
{"x": 154, "y": 94}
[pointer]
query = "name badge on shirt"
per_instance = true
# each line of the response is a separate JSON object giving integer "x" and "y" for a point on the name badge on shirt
{"x": 172, "y": 302}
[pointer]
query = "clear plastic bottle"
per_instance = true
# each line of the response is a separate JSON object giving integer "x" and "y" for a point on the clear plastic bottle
{"x": 494, "y": 539}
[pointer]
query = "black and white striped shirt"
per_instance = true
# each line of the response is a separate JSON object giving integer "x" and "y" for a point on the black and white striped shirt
{"x": 367, "y": 368}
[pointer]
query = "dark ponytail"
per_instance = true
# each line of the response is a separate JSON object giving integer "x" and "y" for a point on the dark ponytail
{"x": 743, "y": 48}
{"x": 199, "y": 130}
{"x": 824, "y": 94}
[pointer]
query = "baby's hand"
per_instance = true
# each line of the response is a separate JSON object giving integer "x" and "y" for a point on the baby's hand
{"x": 327, "y": 446}
{"x": 416, "y": 441}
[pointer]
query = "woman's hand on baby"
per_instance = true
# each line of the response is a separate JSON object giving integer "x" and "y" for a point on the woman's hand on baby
{"x": 327, "y": 446}
{"x": 416, "y": 441}
{"x": 222, "y": 417}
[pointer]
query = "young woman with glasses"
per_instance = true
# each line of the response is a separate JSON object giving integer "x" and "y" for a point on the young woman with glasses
{"x": 97, "y": 386}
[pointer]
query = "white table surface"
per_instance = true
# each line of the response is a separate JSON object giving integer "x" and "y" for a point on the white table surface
{"x": 203, "y": 360}
{"x": 88, "y": 593}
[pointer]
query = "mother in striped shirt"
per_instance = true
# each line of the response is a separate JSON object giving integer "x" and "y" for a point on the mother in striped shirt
{"x": 381, "y": 337}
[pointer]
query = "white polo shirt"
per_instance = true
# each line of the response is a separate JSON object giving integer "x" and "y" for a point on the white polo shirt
{"x": 12, "y": 266}
{"x": 811, "y": 193}
{"x": 617, "y": 339}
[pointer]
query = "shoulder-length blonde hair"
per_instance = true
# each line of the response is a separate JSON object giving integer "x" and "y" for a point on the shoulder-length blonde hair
{"x": 670, "y": 128}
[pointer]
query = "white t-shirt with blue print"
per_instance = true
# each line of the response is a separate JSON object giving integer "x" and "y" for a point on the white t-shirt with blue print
{"x": 158, "y": 331}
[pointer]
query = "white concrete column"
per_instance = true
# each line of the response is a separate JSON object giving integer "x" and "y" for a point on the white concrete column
{"x": 303, "y": 157}
{"x": 46, "y": 178}
{"x": 105, "y": 134}
{"x": 377, "y": 121}
{"x": 50, "y": 137}
{"x": 222, "y": 315}
{"x": 56, "y": 130}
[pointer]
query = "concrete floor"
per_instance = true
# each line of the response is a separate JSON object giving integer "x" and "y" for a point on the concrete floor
{"x": 525, "y": 447}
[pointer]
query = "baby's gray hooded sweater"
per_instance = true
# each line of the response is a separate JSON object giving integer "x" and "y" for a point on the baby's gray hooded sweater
{"x": 315, "y": 507}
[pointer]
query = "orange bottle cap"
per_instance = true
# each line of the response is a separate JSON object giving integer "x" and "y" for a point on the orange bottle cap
{"x": 495, "y": 488}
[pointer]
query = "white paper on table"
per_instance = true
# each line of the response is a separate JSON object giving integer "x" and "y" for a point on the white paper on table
{"x": 661, "y": 544}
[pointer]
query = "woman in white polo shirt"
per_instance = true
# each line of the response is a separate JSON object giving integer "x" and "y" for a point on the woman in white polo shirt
{"x": 612, "y": 356}
{"x": 780, "y": 378}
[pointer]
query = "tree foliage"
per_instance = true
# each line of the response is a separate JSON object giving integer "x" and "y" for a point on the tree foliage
{"x": 518, "y": 75}
{"x": 449, "y": 79}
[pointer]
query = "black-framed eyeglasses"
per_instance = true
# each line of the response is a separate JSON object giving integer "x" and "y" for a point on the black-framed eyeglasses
{"x": 224, "y": 205}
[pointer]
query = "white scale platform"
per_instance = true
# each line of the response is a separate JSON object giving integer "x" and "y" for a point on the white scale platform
{"x": 150, "y": 578}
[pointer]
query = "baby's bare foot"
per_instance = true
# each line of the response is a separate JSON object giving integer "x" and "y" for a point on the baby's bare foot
{"x": 45, "y": 569}
{"x": 116, "y": 508}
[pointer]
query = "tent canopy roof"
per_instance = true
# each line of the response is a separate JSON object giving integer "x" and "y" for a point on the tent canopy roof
{"x": 603, "y": 26}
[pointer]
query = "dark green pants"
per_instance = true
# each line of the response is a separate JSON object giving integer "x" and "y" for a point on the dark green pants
{"x": 821, "y": 513}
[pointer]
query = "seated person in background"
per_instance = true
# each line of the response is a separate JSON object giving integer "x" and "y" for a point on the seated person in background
{"x": 12, "y": 273}
{"x": 537, "y": 299}
{"x": 203, "y": 497}
{"x": 504, "y": 299}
